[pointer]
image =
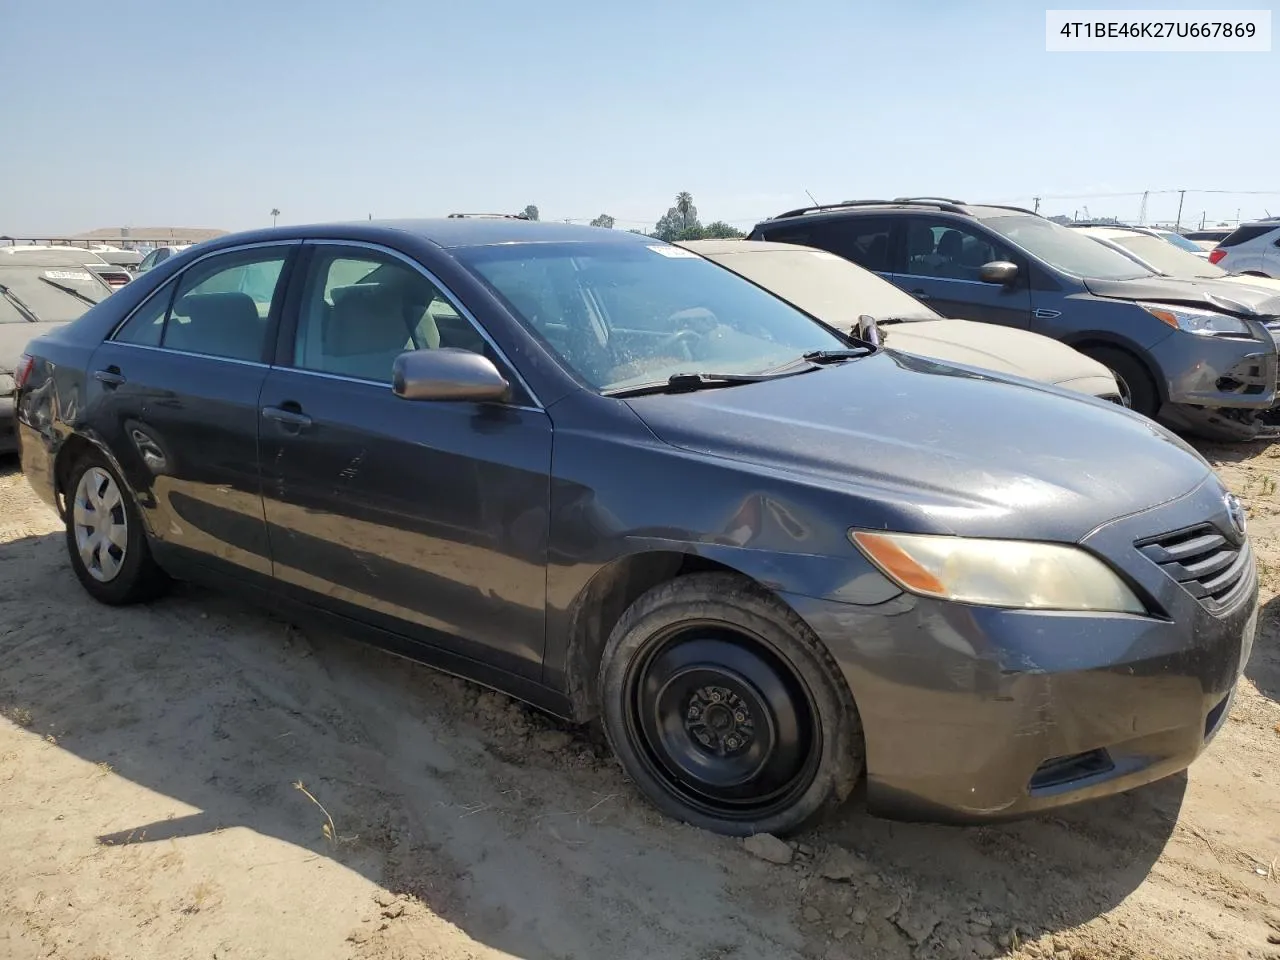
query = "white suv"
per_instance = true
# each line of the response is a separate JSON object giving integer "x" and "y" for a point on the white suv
{"x": 1251, "y": 248}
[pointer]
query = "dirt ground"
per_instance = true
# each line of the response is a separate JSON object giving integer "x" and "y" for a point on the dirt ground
{"x": 198, "y": 779}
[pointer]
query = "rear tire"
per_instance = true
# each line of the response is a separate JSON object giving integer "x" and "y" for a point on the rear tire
{"x": 1136, "y": 386}
{"x": 726, "y": 710}
{"x": 105, "y": 537}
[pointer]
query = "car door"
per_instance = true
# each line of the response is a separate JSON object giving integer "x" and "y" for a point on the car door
{"x": 940, "y": 264}
{"x": 428, "y": 519}
{"x": 177, "y": 402}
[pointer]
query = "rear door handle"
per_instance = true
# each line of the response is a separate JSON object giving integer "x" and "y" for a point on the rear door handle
{"x": 292, "y": 418}
{"x": 920, "y": 295}
{"x": 110, "y": 376}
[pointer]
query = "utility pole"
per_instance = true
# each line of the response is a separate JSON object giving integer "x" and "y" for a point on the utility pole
{"x": 1142, "y": 212}
{"x": 1037, "y": 208}
{"x": 1181, "y": 196}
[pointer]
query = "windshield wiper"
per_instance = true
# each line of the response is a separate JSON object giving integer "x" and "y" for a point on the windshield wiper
{"x": 71, "y": 290}
{"x": 838, "y": 356}
{"x": 18, "y": 303}
{"x": 689, "y": 382}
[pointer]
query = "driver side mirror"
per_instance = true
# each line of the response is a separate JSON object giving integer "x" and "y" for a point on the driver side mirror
{"x": 448, "y": 373}
{"x": 998, "y": 271}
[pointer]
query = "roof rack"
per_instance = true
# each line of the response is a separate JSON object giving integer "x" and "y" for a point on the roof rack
{"x": 495, "y": 216}
{"x": 940, "y": 203}
{"x": 799, "y": 211}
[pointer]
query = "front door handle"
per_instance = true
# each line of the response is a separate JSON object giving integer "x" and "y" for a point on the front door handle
{"x": 292, "y": 418}
{"x": 111, "y": 377}
{"x": 920, "y": 295}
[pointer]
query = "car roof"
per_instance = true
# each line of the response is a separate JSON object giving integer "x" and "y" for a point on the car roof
{"x": 1110, "y": 232}
{"x": 49, "y": 257}
{"x": 460, "y": 231}
{"x": 711, "y": 248}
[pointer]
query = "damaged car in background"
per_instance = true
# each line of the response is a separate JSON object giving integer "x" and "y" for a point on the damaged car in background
{"x": 1196, "y": 355}
{"x": 40, "y": 289}
{"x": 838, "y": 292}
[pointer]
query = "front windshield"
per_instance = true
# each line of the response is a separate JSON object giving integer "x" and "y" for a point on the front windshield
{"x": 39, "y": 290}
{"x": 621, "y": 314}
{"x": 825, "y": 285}
{"x": 1065, "y": 249}
{"x": 1167, "y": 258}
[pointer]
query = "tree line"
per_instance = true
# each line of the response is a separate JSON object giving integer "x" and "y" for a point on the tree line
{"x": 680, "y": 222}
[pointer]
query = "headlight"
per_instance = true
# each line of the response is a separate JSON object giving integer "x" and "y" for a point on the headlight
{"x": 998, "y": 573}
{"x": 1205, "y": 323}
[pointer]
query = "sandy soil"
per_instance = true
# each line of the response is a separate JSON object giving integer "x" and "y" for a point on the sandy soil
{"x": 198, "y": 779}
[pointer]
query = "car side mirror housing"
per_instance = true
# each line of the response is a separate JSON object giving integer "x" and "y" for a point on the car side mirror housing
{"x": 448, "y": 373}
{"x": 998, "y": 271}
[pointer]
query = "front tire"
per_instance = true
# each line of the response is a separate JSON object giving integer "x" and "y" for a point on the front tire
{"x": 726, "y": 710}
{"x": 105, "y": 538}
{"x": 1137, "y": 389}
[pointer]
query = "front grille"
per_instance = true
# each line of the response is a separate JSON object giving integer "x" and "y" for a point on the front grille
{"x": 1207, "y": 565}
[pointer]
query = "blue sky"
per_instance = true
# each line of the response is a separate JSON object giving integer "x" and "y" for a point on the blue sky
{"x": 136, "y": 112}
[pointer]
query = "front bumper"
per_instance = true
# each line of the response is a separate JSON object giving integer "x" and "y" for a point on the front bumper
{"x": 975, "y": 714}
{"x": 1218, "y": 372}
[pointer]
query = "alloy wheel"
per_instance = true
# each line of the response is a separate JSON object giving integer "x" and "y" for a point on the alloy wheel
{"x": 101, "y": 524}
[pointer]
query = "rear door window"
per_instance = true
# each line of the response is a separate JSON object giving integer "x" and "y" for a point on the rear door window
{"x": 867, "y": 241}
{"x": 219, "y": 307}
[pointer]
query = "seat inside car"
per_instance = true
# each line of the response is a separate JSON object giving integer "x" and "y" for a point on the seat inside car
{"x": 219, "y": 324}
{"x": 365, "y": 331}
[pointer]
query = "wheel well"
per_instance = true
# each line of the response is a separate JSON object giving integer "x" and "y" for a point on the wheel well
{"x": 72, "y": 449}
{"x": 601, "y": 605}
{"x": 1084, "y": 346}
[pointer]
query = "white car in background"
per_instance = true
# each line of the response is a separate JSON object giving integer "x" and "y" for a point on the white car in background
{"x": 1251, "y": 248}
{"x": 838, "y": 292}
{"x": 1167, "y": 260}
{"x": 112, "y": 274}
{"x": 159, "y": 255}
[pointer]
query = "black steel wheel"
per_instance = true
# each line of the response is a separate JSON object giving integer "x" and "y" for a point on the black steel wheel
{"x": 726, "y": 710}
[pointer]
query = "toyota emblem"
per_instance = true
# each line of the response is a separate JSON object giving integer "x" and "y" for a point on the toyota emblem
{"x": 1235, "y": 510}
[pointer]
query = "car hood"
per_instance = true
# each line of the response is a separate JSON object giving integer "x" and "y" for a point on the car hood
{"x": 1020, "y": 352}
{"x": 14, "y": 338}
{"x": 1235, "y": 298}
{"x": 921, "y": 446}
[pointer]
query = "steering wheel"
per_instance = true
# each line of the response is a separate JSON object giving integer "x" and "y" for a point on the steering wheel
{"x": 681, "y": 338}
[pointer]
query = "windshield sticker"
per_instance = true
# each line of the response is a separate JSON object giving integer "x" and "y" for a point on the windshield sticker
{"x": 66, "y": 275}
{"x": 823, "y": 255}
{"x": 676, "y": 253}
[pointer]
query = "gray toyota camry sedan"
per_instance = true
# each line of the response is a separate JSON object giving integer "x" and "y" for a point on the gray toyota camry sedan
{"x": 606, "y": 476}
